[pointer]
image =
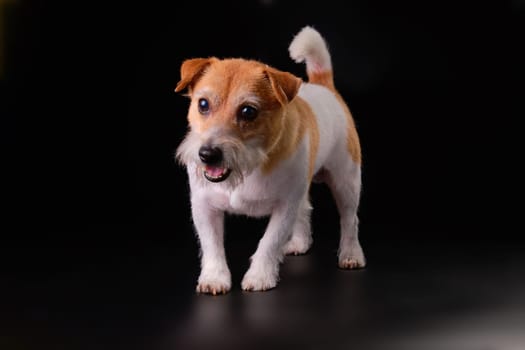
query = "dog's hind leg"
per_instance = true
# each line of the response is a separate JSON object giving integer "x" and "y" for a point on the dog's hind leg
{"x": 301, "y": 239}
{"x": 344, "y": 181}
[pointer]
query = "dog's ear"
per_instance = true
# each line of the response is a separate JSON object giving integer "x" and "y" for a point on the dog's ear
{"x": 285, "y": 85}
{"x": 191, "y": 70}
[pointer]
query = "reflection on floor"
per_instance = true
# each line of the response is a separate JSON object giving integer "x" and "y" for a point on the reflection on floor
{"x": 136, "y": 293}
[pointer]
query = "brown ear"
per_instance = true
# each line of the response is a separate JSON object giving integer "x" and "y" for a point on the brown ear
{"x": 190, "y": 71}
{"x": 285, "y": 85}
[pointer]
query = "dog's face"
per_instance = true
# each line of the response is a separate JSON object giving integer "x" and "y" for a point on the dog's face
{"x": 236, "y": 115}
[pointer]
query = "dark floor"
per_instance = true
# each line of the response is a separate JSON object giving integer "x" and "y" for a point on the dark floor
{"x": 133, "y": 288}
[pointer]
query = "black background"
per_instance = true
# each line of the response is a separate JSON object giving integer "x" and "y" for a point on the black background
{"x": 92, "y": 120}
{"x": 90, "y": 124}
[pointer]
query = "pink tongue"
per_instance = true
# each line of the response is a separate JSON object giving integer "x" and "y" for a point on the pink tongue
{"x": 214, "y": 171}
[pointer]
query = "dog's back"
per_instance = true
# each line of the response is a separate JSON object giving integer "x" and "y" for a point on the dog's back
{"x": 338, "y": 162}
{"x": 332, "y": 112}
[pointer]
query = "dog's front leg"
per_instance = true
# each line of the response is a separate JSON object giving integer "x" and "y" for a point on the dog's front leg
{"x": 215, "y": 275}
{"x": 263, "y": 273}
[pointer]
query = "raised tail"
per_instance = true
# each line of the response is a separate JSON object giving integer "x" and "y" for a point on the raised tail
{"x": 310, "y": 47}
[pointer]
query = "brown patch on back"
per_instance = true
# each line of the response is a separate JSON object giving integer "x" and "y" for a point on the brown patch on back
{"x": 325, "y": 78}
{"x": 298, "y": 121}
{"x": 353, "y": 144}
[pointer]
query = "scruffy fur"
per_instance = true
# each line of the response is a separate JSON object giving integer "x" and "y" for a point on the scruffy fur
{"x": 258, "y": 137}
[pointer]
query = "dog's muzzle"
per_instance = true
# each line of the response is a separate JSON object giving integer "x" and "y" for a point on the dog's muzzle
{"x": 212, "y": 158}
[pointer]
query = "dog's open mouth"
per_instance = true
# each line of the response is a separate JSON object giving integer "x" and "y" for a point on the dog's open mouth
{"x": 216, "y": 173}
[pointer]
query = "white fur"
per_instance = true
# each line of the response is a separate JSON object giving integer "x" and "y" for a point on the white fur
{"x": 308, "y": 45}
{"x": 282, "y": 194}
{"x": 242, "y": 157}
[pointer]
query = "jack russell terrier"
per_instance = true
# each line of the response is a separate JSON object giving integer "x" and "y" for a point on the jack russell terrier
{"x": 257, "y": 138}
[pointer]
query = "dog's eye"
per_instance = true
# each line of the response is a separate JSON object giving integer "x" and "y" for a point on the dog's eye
{"x": 204, "y": 106}
{"x": 247, "y": 113}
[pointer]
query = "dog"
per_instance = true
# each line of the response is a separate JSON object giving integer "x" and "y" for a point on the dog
{"x": 258, "y": 137}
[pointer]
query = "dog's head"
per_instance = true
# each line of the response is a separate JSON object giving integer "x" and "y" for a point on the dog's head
{"x": 236, "y": 115}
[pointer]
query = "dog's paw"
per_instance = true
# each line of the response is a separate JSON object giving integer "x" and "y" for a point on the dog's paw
{"x": 352, "y": 257}
{"x": 213, "y": 288}
{"x": 217, "y": 284}
{"x": 297, "y": 246}
{"x": 258, "y": 280}
{"x": 351, "y": 261}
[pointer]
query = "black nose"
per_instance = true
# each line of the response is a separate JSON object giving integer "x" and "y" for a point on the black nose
{"x": 210, "y": 155}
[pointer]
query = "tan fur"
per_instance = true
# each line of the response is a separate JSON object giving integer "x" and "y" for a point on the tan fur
{"x": 322, "y": 78}
{"x": 298, "y": 121}
{"x": 190, "y": 70}
{"x": 354, "y": 146}
{"x": 228, "y": 84}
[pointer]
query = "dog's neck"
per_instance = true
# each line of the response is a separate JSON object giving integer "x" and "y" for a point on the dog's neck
{"x": 296, "y": 119}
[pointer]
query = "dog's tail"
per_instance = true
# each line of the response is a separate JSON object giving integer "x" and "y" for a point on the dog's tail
{"x": 310, "y": 47}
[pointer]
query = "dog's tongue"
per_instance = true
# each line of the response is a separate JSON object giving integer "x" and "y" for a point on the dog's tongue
{"x": 214, "y": 171}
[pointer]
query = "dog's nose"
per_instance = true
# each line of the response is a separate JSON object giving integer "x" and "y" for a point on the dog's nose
{"x": 210, "y": 155}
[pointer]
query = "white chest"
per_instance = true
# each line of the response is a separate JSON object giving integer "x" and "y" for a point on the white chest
{"x": 245, "y": 200}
